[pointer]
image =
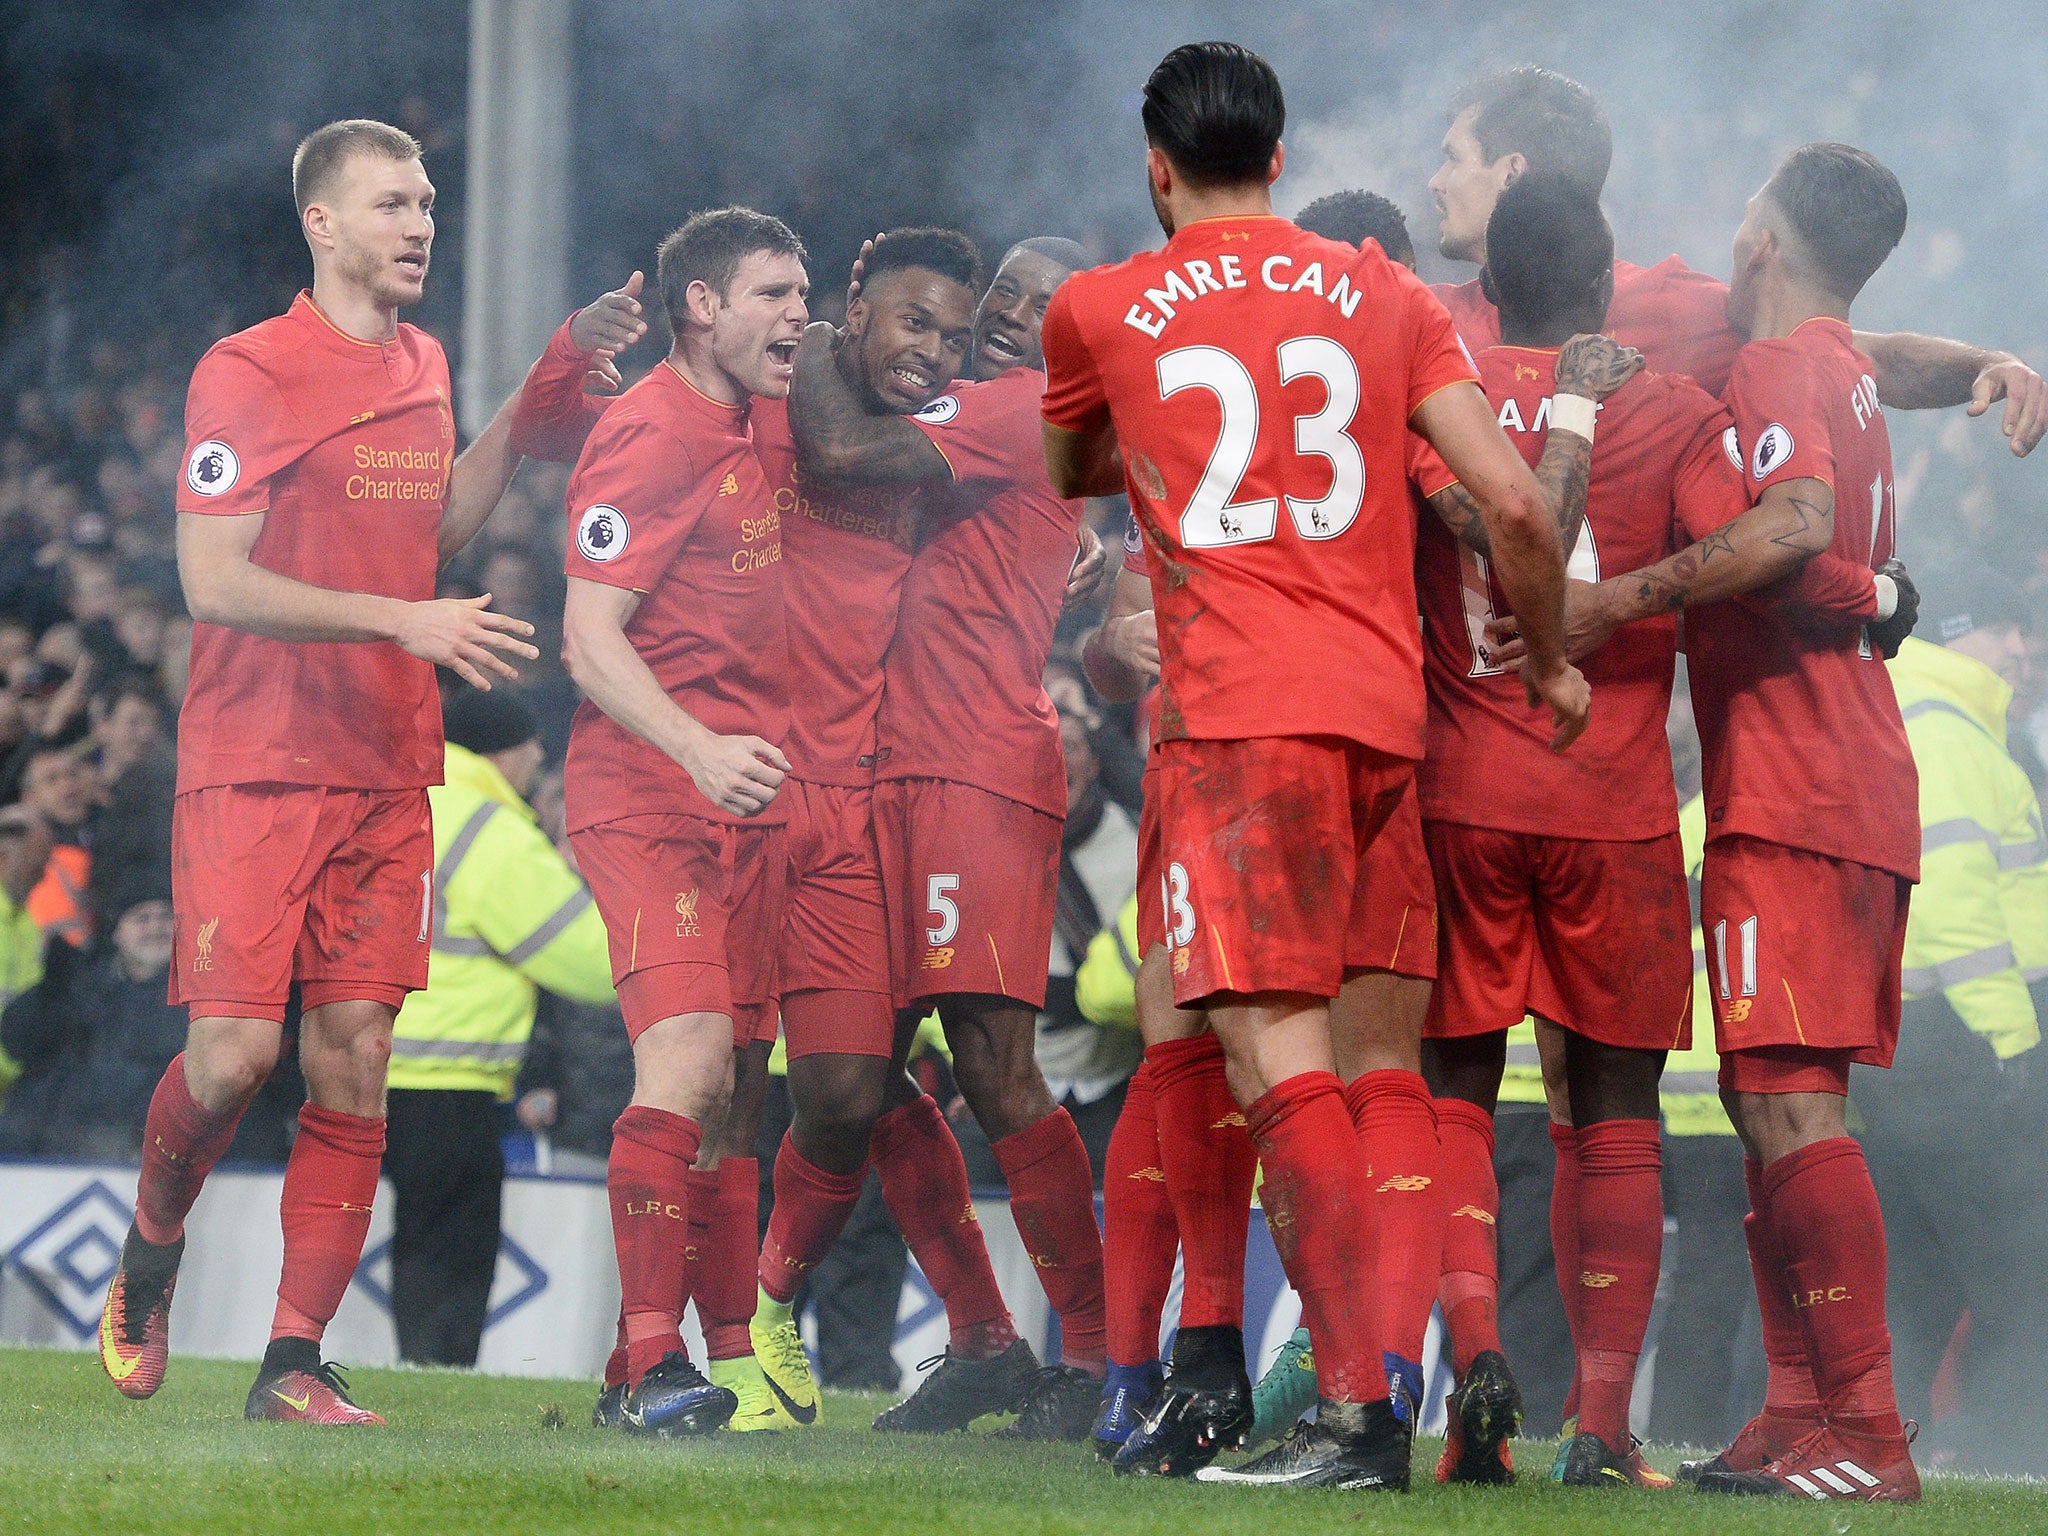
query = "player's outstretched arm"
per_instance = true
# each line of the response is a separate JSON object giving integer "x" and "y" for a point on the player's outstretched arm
{"x": 224, "y": 586}
{"x": 554, "y": 388}
{"x": 738, "y": 774}
{"x": 1931, "y": 373}
{"x": 837, "y": 438}
{"x": 1793, "y": 522}
{"x": 1122, "y": 654}
{"x": 1522, "y": 540}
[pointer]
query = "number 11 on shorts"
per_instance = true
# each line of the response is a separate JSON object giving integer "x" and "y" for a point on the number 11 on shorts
{"x": 1747, "y": 938}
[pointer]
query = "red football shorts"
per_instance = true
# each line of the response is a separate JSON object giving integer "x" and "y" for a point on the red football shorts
{"x": 274, "y": 883}
{"x": 1787, "y": 1069}
{"x": 1593, "y": 935}
{"x": 970, "y": 878}
{"x": 834, "y": 923}
{"x": 691, "y": 908}
{"x": 1398, "y": 904}
{"x": 1265, "y": 842}
{"x": 1802, "y": 950}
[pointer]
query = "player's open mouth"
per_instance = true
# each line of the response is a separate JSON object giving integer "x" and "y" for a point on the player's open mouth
{"x": 916, "y": 380}
{"x": 414, "y": 261}
{"x": 782, "y": 353}
{"x": 999, "y": 344}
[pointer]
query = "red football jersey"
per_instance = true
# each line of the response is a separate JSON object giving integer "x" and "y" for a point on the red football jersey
{"x": 1260, "y": 380}
{"x": 1801, "y": 737}
{"x": 668, "y": 500}
{"x": 1663, "y": 459}
{"x": 1676, "y": 317}
{"x": 848, "y": 549}
{"x": 345, "y": 447}
{"x": 963, "y": 693}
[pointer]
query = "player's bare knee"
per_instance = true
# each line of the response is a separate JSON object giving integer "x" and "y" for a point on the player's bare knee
{"x": 227, "y": 1061}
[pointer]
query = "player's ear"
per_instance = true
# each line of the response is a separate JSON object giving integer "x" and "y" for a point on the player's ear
{"x": 1158, "y": 170}
{"x": 318, "y": 225}
{"x": 1513, "y": 166}
{"x": 1278, "y": 163}
{"x": 857, "y": 316}
{"x": 701, "y": 303}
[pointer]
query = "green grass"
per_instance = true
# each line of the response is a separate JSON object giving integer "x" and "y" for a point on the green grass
{"x": 475, "y": 1454}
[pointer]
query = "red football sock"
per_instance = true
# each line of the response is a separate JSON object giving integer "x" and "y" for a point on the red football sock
{"x": 1315, "y": 1201}
{"x": 1789, "y": 1390}
{"x": 330, "y": 1183}
{"x": 1621, "y": 1240}
{"x": 724, "y": 1254}
{"x": 1397, "y": 1130}
{"x": 1052, "y": 1200}
{"x": 1470, "y": 1287}
{"x": 924, "y": 1183}
{"x": 811, "y": 1208}
{"x": 180, "y": 1144}
{"x": 1210, "y": 1167}
{"x": 1138, "y": 1232}
{"x": 1825, "y": 1214}
{"x": 615, "y": 1362}
{"x": 1564, "y": 1239}
{"x": 648, "y": 1181}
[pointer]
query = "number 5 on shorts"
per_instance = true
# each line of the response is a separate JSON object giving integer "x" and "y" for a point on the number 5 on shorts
{"x": 939, "y": 905}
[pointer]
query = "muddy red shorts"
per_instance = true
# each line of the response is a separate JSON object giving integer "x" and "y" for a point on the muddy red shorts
{"x": 1265, "y": 842}
{"x": 1593, "y": 935}
{"x": 275, "y": 883}
{"x": 691, "y": 908}
{"x": 1802, "y": 950}
{"x": 834, "y": 924}
{"x": 969, "y": 877}
{"x": 1398, "y": 897}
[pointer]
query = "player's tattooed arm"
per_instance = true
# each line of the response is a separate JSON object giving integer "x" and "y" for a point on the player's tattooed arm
{"x": 839, "y": 438}
{"x": 1930, "y": 373}
{"x": 1457, "y": 511}
{"x": 1084, "y": 463}
{"x": 739, "y": 774}
{"x": 1793, "y": 522}
{"x": 1121, "y": 655}
{"x": 1591, "y": 367}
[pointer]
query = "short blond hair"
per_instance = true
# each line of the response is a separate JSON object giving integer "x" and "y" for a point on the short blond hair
{"x": 323, "y": 152}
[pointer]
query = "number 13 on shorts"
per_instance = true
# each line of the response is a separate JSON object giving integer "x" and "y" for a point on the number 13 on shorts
{"x": 1180, "y": 915}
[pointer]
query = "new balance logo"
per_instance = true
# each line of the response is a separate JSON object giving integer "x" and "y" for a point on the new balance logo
{"x": 1404, "y": 1183}
{"x": 937, "y": 959}
{"x": 1475, "y": 1213}
{"x": 729, "y": 486}
{"x": 1233, "y": 1118}
{"x": 1593, "y": 1280}
{"x": 1836, "y": 1478}
{"x": 1152, "y": 1174}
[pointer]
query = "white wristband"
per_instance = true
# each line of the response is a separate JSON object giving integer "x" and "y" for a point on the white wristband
{"x": 1575, "y": 414}
{"x": 1887, "y": 597}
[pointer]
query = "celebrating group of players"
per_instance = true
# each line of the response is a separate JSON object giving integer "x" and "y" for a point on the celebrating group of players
{"x": 816, "y": 784}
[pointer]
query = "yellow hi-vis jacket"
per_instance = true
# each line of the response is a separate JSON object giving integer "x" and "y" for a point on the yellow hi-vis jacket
{"x": 510, "y": 915}
{"x": 1690, "y": 1092}
{"x": 21, "y": 967}
{"x": 1977, "y": 931}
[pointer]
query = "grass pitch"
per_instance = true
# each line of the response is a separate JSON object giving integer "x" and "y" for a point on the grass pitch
{"x": 477, "y": 1454}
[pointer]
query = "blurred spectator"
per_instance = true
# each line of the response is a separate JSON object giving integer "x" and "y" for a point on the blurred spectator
{"x": 127, "y": 725}
{"x": 1955, "y": 1131}
{"x": 24, "y": 853}
{"x": 1086, "y": 1063}
{"x": 58, "y": 785}
{"x": 95, "y": 1034}
{"x": 510, "y": 916}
